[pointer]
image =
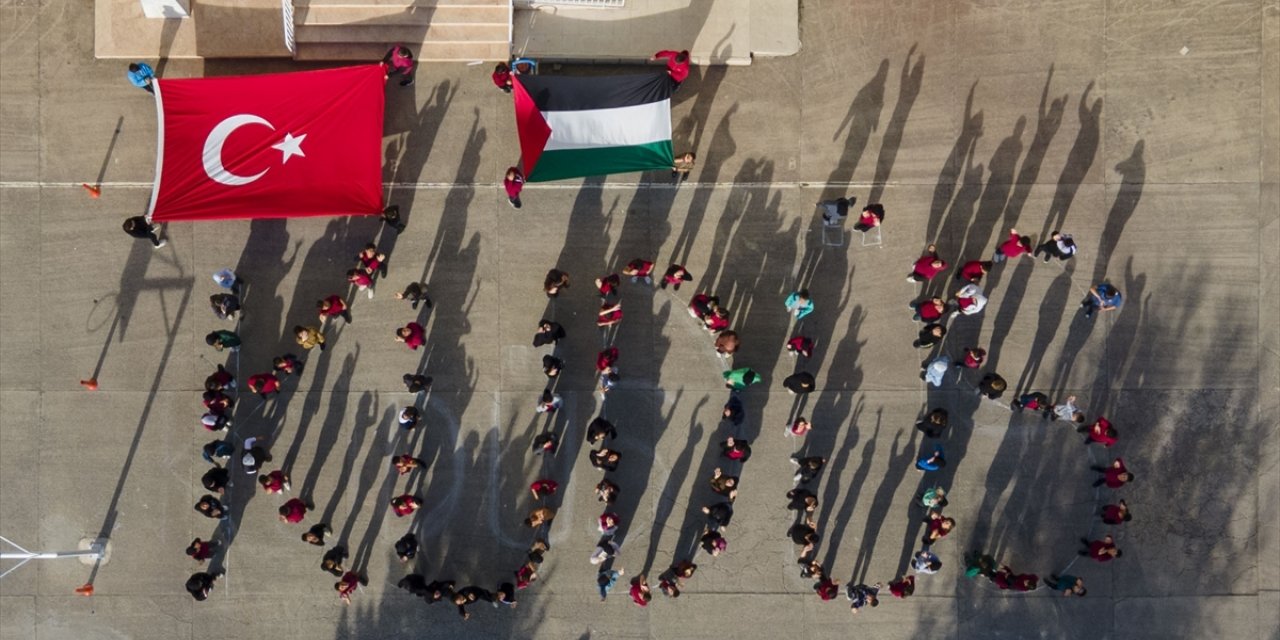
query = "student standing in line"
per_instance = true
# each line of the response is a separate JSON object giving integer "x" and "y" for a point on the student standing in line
{"x": 333, "y": 559}
{"x": 264, "y": 384}
{"x": 799, "y": 303}
{"x": 200, "y": 584}
{"x": 1067, "y": 410}
{"x": 407, "y": 547}
{"x": 1116, "y": 513}
{"x": 405, "y": 463}
{"x": 973, "y": 270}
{"x": 362, "y": 280}
{"x": 992, "y": 386}
{"x": 1034, "y": 401}
{"x": 736, "y": 449}
{"x": 391, "y": 217}
{"x": 415, "y": 293}
{"x": 224, "y": 305}
{"x": 316, "y": 534}
{"x": 682, "y": 166}
{"x": 1114, "y": 476}
{"x": 675, "y": 276}
{"x": 1059, "y": 245}
{"x": 548, "y": 333}
{"x": 276, "y": 482}
{"x": 640, "y": 592}
{"x": 677, "y": 65}
{"x": 930, "y": 335}
{"x": 405, "y": 504}
{"x": 903, "y": 587}
{"x": 725, "y": 485}
{"x": 416, "y": 383}
{"x": 138, "y": 227}
{"x": 970, "y": 299}
{"x": 799, "y": 346}
{"x": 927, "y": 266}
{"x": 201, "y": 550}
{"x": 599, "y": 429}
{"x": 1069, "y": 585}
{"x": 287, "y": 364}
{"x": 931, "y": 310}
{"x": 1102, "y": 297}
{"x": 1103, "y": 549}
{"x": 293, "y": 511}
{"x": 872, "y": 216}
{"x": 799, "y": 383}
{"x": 639, "y": 269}
{"x": 862, "y": 595}
{"x": 331, "y": 307}
{"x": 605, "y": 459}
{"x": 308, "y": 337}
{"x": 513, "y": 181}
{"x": 1015, "y": 246}
{"x": 932, "y": 462}
{"x": 413, "y": 335}
{"x": 1101, "y": 432}
{"x": 933, "y": 423}
{"x": 223, "y": 339}
{"x": 554, "y": 282}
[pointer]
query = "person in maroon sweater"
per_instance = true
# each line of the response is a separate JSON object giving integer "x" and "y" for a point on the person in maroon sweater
{"x": 264, "y": 384}
{"x": 363, "y": 281}
{"x": 1026, "y": 582}
{"x": 513, "y": 182}
{"x": 1103, "y": 550}
{"x": 412, "y": 335}
{"x": 827, "y": 589}
{"x": 677, "y": 64}
{"x": 676, "y": 275}
{"x": 502, "y": 77}
{"x": 903, "y": 587}
{"x": 1101, "y": 432}
{"x": 293, "y": 511}
{"x": 1114, "y": 476}
{"x": 799, "y": 345}
{"x": 930, "y": 310}
{"x": 1116, "y": 513}
{"x": 607, "y": 285}
{"x": 333, "y": 306}
{"x": 974, "y": 357}
{"x": 639, "y": 269}
{"x": 927, "y": 266}
{"x": 1015, "y": 246}
{"x": 973, "y": 270}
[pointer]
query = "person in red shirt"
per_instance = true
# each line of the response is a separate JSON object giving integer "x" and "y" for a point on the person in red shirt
{"x": 1003, "y": 579}
{"x": 607, "y": 285}
{"x": 904, "y": 587}
{"x": 973, "y": 270}
{"x": 219, "y": 380}
{"x": 930, "y": 310}
{"x": 274, "y": 482}
{"x": 639, "y": 269}
{"x": 412, "y": 334}
{"x": 362, "y": 280}
{"x": 675, "y": 275}
{"x": 1026, "y": 582}
{"x": 677, "y": 64}
{"x": 543, "y": 488}
{"x": 606, "y": 359}
{"x": 264, "y": 384}
{"x": 502, "y": 77}
{"x": 640, "y": 592}
{"x": 974, "y": 357}
{"x": 717, "y": 320}
{"x": 871, "y": 217}
{"x": 347, "y": 585}
{"x": 332, "y": 306}
{"x": 288, "y": 364}
{"x": 373, "y": 262}
{"x": 609, "y": 315}
{"x": 513, "y": 182}
{"x": 827, "y": 589}
{"x": 1114, "y": 476}
{"x": 293, "y": 511}
{"x": 405, "y": 504}
{"x": 736, "y": 449}
{"x": 1101, "y": 432}
{"x": 1015, "y": 246}
{"x": 399, "y": 59}
{"x": 404, "y": 463}
{"x": 799, "y": 345}
{"x": 201, "y": 550}
{"x": 927, "y": 266}
{"x": 1103, "y": 550}
{"x": 1116, "y": 513}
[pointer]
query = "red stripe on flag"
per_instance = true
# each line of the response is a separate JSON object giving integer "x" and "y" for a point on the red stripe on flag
{"x": 531, "y": 126}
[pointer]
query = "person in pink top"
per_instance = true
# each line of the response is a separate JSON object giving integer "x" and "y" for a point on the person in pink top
{"x": 293, "y": 511}
{"x": 973, "y": 270}
{"x": 930, "y": 310}
{"x": 513, "y": 182}
{"x": 1015, "y": 246}
{"x": 928, "y": 266}
{"x": 399, "y": 60}
{"x": 412, "y": 335}
{"x": 333, "y": 306}
{"x": 677, "y": 64}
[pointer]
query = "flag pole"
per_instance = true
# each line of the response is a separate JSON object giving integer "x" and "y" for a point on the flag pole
{"x": 96, "y": 550}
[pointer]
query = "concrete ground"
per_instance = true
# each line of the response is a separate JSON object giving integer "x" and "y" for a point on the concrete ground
{"x": 1149, "y": 131}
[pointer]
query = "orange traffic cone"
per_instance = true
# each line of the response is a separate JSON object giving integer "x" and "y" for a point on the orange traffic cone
{"x": 86, "y": 590}
{"x": 90, "y": 384}
{"x": 94, "y": 192}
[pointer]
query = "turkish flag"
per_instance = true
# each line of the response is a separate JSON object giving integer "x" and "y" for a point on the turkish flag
{"x": 270, "y": 146}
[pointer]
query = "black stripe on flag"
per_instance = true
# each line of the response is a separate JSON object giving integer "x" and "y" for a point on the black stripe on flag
{"x": 579, "y": 93}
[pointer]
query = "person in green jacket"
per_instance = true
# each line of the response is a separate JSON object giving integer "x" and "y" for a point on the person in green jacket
{"x": 223, "y": 339}
{"x": 739, "y": 379}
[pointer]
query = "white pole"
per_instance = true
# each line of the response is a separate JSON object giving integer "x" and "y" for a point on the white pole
{"x": 94, "y": 552}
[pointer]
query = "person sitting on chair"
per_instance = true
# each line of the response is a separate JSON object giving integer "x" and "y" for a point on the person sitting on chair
{"x": 835, "y": 211}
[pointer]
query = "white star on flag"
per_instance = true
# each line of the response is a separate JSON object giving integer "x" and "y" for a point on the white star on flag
{"x": 290, "y": 147}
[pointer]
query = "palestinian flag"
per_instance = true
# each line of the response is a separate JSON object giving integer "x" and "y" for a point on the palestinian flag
{"x": 572, "y": 126}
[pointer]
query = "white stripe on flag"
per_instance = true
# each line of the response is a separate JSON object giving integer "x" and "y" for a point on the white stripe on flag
{"x": 618, "y": 127}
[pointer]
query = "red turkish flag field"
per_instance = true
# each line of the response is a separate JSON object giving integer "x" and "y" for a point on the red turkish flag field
{"x": 270, "y": 146}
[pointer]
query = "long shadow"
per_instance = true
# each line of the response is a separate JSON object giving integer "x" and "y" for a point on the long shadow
{"x": 675, "y": 480}
{"x": 912, "y": 78}
{"x": 830, "y": 527}
{"x": 958, "y": 162}
{"x": 1079, "y": 160}
{"x": 899, "y": 461}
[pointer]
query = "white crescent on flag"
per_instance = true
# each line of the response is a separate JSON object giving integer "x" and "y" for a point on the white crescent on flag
{"x": 213, "y": 150}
